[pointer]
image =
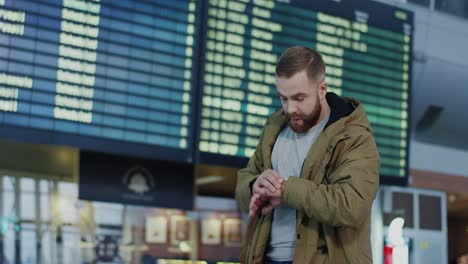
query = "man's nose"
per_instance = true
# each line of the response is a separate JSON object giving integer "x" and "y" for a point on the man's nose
{"x": 291, "y": 107}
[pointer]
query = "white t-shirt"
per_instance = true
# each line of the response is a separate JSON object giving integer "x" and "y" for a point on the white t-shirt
{"x": 289, "y": 153}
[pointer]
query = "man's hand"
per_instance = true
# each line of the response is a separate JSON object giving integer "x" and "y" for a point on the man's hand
{"x": 273, "y": 200}
{"x": 266, "y": 192}
{"x": 268, "y": 181}
{"x": 256, "y": 202}
{"x": 268, "y": 202}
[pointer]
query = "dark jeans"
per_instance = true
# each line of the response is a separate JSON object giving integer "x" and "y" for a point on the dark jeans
{"x": 267, "y": 261}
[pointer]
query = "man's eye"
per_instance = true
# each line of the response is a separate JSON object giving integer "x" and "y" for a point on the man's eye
{"x": 283, "y": 99}
{"x": 300, "y": 99}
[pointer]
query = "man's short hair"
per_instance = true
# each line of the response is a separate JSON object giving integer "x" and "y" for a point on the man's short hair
{"x": 298, "y": 58}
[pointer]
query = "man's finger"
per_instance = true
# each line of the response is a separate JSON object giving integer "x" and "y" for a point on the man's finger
{"x": 262, "y": 192}
{"x": 273, "y": 178}
{"x": 269, "y": 185}
{"x": 267, "y": 208}
{"x": 275, "y": 175}
{"x": 268, "y": 182}
{"x": 252, "y": 200}
{"x": 251, "y": 213}
{"x": 255, "y": 203}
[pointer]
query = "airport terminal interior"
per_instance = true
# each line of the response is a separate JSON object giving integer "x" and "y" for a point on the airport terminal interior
{"x": 123, "y": 123}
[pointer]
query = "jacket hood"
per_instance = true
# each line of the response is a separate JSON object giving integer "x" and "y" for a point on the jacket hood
{"x": 346, "y": 111}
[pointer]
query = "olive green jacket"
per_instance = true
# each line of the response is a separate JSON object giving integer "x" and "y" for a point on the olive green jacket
{"x": 333, "y": 195}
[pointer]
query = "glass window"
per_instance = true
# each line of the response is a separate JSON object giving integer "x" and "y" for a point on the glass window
{"x": 67, "y": 209}
{"x": 83, "y": 224}
{"x": 28, "y": 243}
{"x": 8, "y": 183}
{"x": 71, "y": 238}
{"x": 8, "y": 201}
{"x": 27, "y": 184}
{"x": 68, "y": 188}
{"x": 45, "y": 205}
{"x": 9, "y": 245}
{"x": 27, "y": 206}
{"x": 44, "y": 186}
{"x": 454, "y": 7}
{"x": 68, "y": 193}
{"x": 46, "y": 246}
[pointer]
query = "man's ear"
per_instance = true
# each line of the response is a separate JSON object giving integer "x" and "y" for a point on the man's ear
{"x": 323, "y": 88}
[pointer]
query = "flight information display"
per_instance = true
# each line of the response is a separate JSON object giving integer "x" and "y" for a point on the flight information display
{"x": 99, "y": 73}
{"x": 367, "y": 49}
{"x": 192, "y": 80}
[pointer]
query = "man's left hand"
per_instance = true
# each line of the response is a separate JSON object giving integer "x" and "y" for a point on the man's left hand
{"x": 274, "y": 199}
{"x": 268, "y": 199}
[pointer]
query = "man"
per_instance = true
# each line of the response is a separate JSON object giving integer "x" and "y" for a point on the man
{"x": 310, "y": 184}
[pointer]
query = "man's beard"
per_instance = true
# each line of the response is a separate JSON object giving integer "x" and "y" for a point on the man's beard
{"x": 308, "y": 121}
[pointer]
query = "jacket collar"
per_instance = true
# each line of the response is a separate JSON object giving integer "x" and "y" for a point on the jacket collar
{"x": 338, "y": 108}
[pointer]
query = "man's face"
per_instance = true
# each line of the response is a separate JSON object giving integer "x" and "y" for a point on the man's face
{"x": 301, "y": 99}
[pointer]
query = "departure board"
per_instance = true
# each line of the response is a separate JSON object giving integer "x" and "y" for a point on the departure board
{"x": 367, "y": 49}
{"x": 99, "y": 74}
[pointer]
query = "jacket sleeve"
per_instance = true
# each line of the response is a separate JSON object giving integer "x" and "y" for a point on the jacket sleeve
{"x": 247, "y": 176}
{"x": 347, "y": 199}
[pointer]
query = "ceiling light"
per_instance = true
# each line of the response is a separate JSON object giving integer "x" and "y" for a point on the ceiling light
{"x": 209, "y": 179}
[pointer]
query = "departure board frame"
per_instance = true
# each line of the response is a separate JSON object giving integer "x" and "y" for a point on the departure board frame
{"x": 215, "y": 86}
{"x": 135, "y": 75}
{"x": 363, "y": 17}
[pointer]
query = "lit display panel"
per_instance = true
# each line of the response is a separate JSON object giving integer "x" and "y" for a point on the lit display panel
{"x": 367, "y": 48}
{"x": 99, "y": 74}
